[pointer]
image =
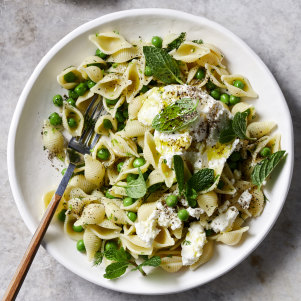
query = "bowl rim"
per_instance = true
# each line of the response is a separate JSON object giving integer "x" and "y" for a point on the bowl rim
{"x": 16, "y": 191}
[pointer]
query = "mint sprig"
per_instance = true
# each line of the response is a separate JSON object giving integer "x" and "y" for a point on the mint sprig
{"x": 164, "y": 67}
{"x": 264, "y": 168}
{"x": 236, "y": 128}
{"x": 199, "y": 181}
{"x": 175, "y": 44}
{"x": 176, "y": 116}
{"x": 122, "y": 260}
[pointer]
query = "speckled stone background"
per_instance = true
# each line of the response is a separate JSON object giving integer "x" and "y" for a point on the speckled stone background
{"x": 28, "y": 29}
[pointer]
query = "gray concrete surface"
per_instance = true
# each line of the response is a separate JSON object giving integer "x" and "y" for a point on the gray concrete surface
{"x": 28, "y": 29}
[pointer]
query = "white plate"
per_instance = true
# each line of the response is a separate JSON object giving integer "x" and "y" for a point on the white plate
{"x": 31, "y": 174}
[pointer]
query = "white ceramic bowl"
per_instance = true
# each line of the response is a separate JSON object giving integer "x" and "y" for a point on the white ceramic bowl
{"x": 31, "y": 174}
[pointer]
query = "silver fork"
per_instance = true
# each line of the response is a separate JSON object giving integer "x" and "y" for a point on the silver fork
{"x": 77, "y": 147}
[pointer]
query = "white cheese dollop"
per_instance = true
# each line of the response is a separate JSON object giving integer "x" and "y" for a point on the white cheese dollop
{"x": 245, "y": 199}
{"x": 147, "y": 230}
{"x": 167, "y": 217}
{"x": 195, "y": 212}
{"x": 225, "y": 220}
{"x": 192, "y": 246}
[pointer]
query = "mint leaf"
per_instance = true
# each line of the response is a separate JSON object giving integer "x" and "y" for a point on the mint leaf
{"x": 115, "y": 270}
{"x": 175, "y": 44}
{"x": 163, "y": 66}
{"x": 154, "y": 261}
{"x": 136, "y": 188}
{"x": 98, "y": 258}
{"x": 264, "y": 168}
{"x": 119, "y": 255}
{"x": 236, "y": 128}
{"x": 227, "y": 135}
{"x": 179, "y": 170}
{"x": 202, "y": 179}
{"x": 176, "y": 116}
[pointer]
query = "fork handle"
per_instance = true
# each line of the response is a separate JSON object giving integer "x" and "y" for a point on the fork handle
{"x": 21, "y": 272}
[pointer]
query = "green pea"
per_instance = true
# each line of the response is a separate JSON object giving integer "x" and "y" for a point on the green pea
{"x": 107, "y": 124}
{"x": 63, "y": 171}
{"x": 119, "y": 116}
{"x": 157, "y": 41}
{"x": 148, "y": 71}
{"x": 210, "y": 85}
{"x": 221, "y": 184}
{"x": 77, "y": 228}
{"x": 100, "y": 54}
{"x": 128, "y": 201}
{"x": 183, "y": 215}
{"x": 111, "y": 102}
{"x": 115, "y": 65}
{"x": 62, "y": 215}
{"x": 120, "y": 126}
{"x": 55, "y": 119}
{"x": 80, "y": 246}
{"x": 200, "y": 74}
{"x": 111, "y": 245}
{"x": 72, "y": 122}
{"x": 132, "y": 216}
{"x": 238, "y": 84}
{"x": 232, "y": 165}
{"x": 109, "y": 196}
{"x": 130, "y": 177}
{"x": 144, "y": 89}
{"x": 265, "y": 152}
{"x": 57, "y": 100}
{"x": 103, "y": 154}
{"x": 90, "y": 84}
{"x": 119, "y": 166}
{"x": 216, "y": 94}
{"x": 125, "y": 114}
{"x": 171, "y": 200}
{"x": 236, "y": 156}
{"x": 70, "y": 77}
{"x": 225, "y": 98}
{"x": 72, "y": 94}
{"x": 81, "y": 88}
{"x": 138, "y": 162}
{"x": 234, "y": 100}
{"x": 71, "y": 102}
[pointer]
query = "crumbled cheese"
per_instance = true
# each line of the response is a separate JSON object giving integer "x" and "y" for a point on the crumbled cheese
{"x": 223, "y": 207}
{"x": 225, "y": 220}
{"x": 184, "y": 202}
{"x": 147, "y": 230}
{"x": 195, "y": 212}
{"x": 192, "y": 246}
{"x": 245, "y": 199}
{"x": 167, "y": 217}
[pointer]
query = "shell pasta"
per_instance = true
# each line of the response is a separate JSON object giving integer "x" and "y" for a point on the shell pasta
{"x": 181, "y": 160}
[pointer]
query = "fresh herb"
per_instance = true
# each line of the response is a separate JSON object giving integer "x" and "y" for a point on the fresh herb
{"x": 122, "y": 259}
{"x": 176, "y": 116}
{"x": 151, "y": 189}
{"x": 264, "y": 168}
{"x": 179, "y": 170}
{"x": 209, "y": 232}
{"x": 239, "y": 124}
{"x": 186, "y": 242}
{"x": 175, "y": 44}
{"x": 236, "y": 128}
{"x": 136, "y": 188}
{"x": 115, "y": 270}
{"x": 198, "y": 41}
{"x": 98, "y": 257}
{"x": 163, "y": 66}
{"x": 202, "y": 179}
{"x": 99, "y": 65}
{"x": 154, "y": 261}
